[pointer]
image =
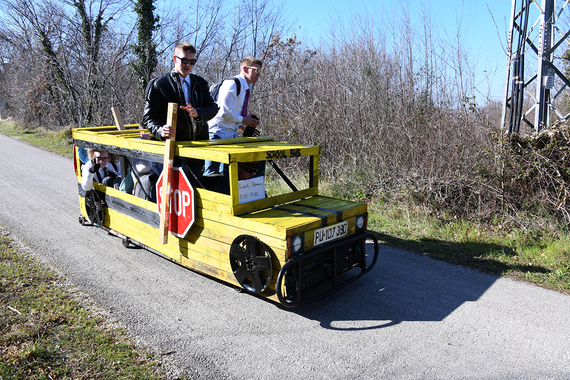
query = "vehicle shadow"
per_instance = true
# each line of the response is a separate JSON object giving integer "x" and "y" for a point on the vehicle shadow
{"x": 403, "y": 286}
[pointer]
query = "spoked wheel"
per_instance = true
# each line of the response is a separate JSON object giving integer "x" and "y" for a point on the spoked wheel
{"x": 94, "y": 207}
{"x": 251, "y": 263}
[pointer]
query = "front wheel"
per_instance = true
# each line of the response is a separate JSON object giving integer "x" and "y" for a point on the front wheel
{"x": 251, "y": 263}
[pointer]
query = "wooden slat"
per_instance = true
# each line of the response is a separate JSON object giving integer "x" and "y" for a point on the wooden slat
{"x": 118, "y": 118}
{"x": 277, "y": 232}
{"x": 272, "y": 201}
{"x": 167, "y": 173}
{"x": 226, "y": 234}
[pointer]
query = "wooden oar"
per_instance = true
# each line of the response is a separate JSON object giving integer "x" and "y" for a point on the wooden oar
{"x": 167, "y": 174}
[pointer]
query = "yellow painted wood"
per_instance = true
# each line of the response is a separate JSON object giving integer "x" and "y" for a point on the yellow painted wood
{"x": 207, "y": 256}
{"x": 77, "y": 163}
{"x": 219, "y": 217}
{"x": 234, "y": 194}
{"x": 214, "y": 206}
{"x": 245, "y": 150}
{"x": 198, "y": 266}
{"x": 199, "y": 241}
{"x": 348, "y": 208}
{"x": 118, "y": 118}
{"x": 222, "y": 236}
{"x": 214, "y": 197}
{"x": 329, "y": 216}
{"x": 278, "y": 232}
{"x": 272, "y": 201}
{"x": 280, "y": 217}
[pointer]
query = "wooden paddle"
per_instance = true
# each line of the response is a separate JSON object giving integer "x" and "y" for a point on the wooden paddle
{"x": 167, "y": 174}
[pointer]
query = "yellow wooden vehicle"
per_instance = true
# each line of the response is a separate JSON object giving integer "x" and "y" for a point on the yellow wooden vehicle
{"x": 291, "y": 246}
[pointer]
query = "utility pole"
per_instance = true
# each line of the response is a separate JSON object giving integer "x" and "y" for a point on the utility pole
{"x": 534, "y": 38}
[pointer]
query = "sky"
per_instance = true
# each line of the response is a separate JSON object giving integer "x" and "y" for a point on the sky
{"x": 485, "y": 24}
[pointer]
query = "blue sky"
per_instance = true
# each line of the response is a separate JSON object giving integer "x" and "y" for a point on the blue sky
{"x": 482, "y": 22}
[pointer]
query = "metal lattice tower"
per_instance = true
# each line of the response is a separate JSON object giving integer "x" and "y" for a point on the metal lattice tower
{"x": 538, "y": 44}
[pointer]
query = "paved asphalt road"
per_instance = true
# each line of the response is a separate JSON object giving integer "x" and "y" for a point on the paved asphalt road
{"x": 409, "y": 318}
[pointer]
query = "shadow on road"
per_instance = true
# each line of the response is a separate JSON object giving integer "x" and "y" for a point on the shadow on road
{"x": 403, "y": 286}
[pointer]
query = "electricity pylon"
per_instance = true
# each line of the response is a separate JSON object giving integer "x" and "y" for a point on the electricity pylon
{"x": 534, "y": 42}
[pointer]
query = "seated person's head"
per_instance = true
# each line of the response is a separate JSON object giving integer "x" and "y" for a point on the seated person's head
{"x": 101, "y": 157}
{"x": 246, "y": 170}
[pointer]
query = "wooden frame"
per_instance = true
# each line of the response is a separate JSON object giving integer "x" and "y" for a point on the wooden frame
{"x": 280, "y": 227}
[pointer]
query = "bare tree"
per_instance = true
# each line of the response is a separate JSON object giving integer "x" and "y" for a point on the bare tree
{"x": 72, "y": 38}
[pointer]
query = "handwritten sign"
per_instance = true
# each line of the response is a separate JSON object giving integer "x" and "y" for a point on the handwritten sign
{"x": 251, "y": 189}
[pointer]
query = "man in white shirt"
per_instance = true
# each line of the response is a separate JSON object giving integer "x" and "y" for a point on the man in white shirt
{"x": 103, "y": 167}
{"x": 232, "y": 113}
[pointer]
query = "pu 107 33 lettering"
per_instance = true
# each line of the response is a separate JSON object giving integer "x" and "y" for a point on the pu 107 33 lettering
{"x": 329, "y": 233}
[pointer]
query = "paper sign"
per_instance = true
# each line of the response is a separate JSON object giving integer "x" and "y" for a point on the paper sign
{"x": 251, "y": 189}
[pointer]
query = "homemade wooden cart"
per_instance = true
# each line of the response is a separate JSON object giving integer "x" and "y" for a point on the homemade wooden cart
{"x": 292, "y": 247}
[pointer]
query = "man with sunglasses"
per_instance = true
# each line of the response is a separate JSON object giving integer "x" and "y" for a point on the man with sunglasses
{"x": 232, "y": 114}
{"x": 192, "y": 93}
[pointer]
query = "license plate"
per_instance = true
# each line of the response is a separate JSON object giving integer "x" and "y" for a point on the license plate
{"x": 326, "y": 234}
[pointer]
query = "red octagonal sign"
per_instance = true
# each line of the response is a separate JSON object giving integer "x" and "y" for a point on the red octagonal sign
{"x": 181, "y": 216}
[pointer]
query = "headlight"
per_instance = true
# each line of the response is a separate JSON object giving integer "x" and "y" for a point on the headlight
{"x": 360, "y": 222}
{"x": 297, "y": 244}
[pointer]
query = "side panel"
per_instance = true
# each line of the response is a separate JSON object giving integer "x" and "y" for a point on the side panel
{"x": 205, "y": 248}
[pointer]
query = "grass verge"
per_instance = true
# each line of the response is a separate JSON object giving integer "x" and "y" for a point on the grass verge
{"x": 59, "y": 141}
{"x": 48, "y": 331}
{"x": 540, "y": 257}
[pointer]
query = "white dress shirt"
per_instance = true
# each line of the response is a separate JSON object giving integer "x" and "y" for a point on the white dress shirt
{"x": 228, "y": 119}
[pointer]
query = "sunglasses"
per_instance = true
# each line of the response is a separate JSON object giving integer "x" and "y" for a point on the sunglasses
{"x": 102, "y": 158}
{"x": 255, "y": 69}
{"x": 186, "y": 61}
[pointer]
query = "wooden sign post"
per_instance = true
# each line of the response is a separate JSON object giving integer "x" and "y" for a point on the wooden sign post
{"x": 167, "y": 174}
{"x": 121, "y": 127}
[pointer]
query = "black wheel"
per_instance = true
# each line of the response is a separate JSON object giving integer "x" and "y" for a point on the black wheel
{"x": 94, "y": 207}
{"x": 251, "y": 263}
{"x": 82, "y": 221}
{"x": 126, "y": 242}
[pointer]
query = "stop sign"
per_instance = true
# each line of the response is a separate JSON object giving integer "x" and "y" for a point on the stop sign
{"x": 181, "y": 215}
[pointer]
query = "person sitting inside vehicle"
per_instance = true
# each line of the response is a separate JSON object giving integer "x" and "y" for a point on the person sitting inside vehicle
{"x": 145, "y": 175}
{"x": 246, "y": 170}
{"x": 98, "y": 169}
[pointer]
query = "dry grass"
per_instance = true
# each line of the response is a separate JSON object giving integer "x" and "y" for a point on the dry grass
{"x": 50, "y": 331}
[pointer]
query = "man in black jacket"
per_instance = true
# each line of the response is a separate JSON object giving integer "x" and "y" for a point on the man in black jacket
{"x": 190, "y": 91}
{"x": 171, "y": 88}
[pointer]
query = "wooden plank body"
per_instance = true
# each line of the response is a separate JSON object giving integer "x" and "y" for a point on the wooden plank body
{"x": 219, "y": 217}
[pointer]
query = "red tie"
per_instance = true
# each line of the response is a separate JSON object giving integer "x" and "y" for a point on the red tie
{"x": 246, "y": 100}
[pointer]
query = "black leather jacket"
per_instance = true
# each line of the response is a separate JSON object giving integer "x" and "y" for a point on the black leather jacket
{"x": 168, "y": 89}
